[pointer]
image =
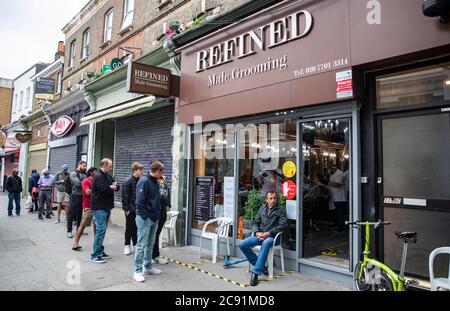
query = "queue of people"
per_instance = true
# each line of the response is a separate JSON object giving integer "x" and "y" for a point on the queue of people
{"x": 145, "y": 201}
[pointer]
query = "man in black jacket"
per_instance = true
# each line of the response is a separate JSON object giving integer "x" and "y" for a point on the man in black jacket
{"x": 14, "y": 187}
{"x": 129, "y": 206}
{"x": 270, "y": 220}
{"x": 102, "y": 202}
{"x": 148, "y": 213}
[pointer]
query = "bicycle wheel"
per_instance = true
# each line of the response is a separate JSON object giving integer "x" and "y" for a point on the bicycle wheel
{"x": 360, "y": 282}
{"x": 382, "y": 283}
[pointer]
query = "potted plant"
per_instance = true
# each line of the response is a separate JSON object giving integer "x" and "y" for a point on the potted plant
{"x": 254, "y": 202}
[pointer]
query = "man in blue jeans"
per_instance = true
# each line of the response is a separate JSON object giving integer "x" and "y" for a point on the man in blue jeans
{"x": 148, "y": 213}
{"x": 270, "y": 220}
{"x": 102, "y": 202}
{"x": 13, "y": 185}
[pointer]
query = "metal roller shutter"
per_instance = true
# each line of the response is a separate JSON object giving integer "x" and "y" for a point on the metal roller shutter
{"x": 38, "y": 160}
{"x": 143, "y": 138}
{"x": 63, "y": 155}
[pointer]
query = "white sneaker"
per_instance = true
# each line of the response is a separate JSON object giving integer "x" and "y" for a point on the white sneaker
{"x": 57, "y": 222}
{"x": 152, "y": 271}
{"x": 139, "y": 277}
{"x": 127, "y": 250}
{"x": 161, "y": 261}
{"x": 69, "y": 235}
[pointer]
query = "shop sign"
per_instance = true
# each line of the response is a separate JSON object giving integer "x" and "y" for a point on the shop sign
{"x": 45, "y": 89}
{"x": 23, "y": 138}
{"x": 62, "y": 126}
{"x": 116, "y": 63}
{"x": 279, "y": 32}
{"x": 12, "y": 143}
{"x": 289, "y": 190}
{"x": 344, "y": 84}
{"x": 204, "y": 198}
{"x": 289, "y": 169}
{"x": 146, "y": 79}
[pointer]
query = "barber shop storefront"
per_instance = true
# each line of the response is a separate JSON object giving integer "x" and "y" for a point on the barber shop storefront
{"x": 274, "y": 103}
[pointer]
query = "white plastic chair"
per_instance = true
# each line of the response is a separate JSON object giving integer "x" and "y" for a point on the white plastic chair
{"x": 276, "y": 246}
{"x": 222, "y": 232}
{"x": 439, "y": 282}
{"x": 170, "y": 225}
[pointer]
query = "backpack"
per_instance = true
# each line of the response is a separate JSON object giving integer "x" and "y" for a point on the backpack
{"x": 69, "y": 184}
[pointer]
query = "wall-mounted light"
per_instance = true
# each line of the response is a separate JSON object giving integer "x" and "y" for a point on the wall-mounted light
{"x": 435, "y": 8}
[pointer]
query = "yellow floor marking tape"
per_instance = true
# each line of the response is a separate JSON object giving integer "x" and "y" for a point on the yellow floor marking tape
{"x": 191, "y": 266}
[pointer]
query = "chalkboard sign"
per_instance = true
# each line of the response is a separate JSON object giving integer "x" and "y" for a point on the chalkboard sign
{"x": 204, "y": 198}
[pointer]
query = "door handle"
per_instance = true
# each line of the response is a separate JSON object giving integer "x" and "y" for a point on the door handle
{"x": 379, "y": 180}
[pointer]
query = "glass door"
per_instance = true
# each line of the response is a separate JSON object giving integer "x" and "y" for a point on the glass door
{"x": 326, "y": 200}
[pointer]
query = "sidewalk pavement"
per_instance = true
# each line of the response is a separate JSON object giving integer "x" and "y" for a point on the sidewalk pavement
{"x": 37, "y": 256}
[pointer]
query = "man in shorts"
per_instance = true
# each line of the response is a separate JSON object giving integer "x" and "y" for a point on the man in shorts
{"x": 62, "y": 197}
{"x": 86, "y": 220}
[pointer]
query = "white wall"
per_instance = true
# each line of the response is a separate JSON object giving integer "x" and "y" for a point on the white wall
{"x": 21, "y": 85}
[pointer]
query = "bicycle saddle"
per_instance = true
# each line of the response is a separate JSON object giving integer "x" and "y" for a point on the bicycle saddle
{"x": 407, "y": 237}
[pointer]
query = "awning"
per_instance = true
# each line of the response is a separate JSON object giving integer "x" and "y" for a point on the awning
{"x": 8, "y": 151}
{"x": 118, "y": 111}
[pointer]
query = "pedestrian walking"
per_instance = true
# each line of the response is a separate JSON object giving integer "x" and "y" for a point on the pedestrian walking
{"x": 129, "y": 207}
{"x": 45, "y": 185}
{"x": 102, "y": 202}
{"x": 74, "y": 188}
{"x": 148, "y": 213}
{"x": 86, "y": 221}
{"x": 14, "y": 187}
{"x": 33, "y": 190}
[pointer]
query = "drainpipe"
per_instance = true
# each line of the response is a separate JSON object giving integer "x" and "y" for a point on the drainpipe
{"x": 92, "y": 102}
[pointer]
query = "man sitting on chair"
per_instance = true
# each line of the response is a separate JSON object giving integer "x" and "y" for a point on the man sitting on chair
{"x": 270, "y": 220}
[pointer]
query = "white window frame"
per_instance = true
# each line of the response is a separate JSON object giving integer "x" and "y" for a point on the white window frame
{"x": 107, "y": 35}
{"x": 86, "y": 43}
{"x": 20, "y": 102}
{"x": 28, "y": 99}
{"x": 16, "y": 102}
{"x": 73, "y": 53}
{"x": 59, "y": 86}
{"x": 128, "y": 13}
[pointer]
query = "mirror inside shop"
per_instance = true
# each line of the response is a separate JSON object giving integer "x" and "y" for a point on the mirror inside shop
{"x": 268, "y": 162}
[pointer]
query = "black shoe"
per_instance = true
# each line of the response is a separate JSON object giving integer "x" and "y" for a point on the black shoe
{"x": 30, "y": 211}
{"x": 48, "y": 216}
{"x": 105, "y": 256}
{"x": 254, "y": 279}
{"x": 10, "y": 215}
{"x": 40, "y": 216}
{"x": 266, "y": 271}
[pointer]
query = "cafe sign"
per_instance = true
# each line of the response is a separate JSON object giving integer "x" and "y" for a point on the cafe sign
{"x": 146, "y": 79}
{"x": 62, "y": 126}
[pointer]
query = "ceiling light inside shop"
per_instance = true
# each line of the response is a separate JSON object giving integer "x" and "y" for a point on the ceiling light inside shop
{"x": 447, "y": 82}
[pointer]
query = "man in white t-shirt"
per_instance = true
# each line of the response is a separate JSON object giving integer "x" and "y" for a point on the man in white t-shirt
{"x": 338, "y": 196}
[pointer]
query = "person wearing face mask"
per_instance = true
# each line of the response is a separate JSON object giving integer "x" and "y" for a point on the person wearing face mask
{"x": 45, "y": 185}
{"x": 13, "y": 185}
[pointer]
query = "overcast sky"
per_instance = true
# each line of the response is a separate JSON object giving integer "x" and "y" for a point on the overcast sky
{"x": 30, "y": 31}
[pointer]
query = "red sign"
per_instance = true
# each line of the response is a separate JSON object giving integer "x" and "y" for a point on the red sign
{"x": 344, "y": 84}
{"x": 289, "y": 190}
{"x": 62, "y": 126}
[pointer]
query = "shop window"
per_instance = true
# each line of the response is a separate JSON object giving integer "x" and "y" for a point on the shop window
{"x": 213, "y": 160}
{"x": 268, "y": 162}
{"x": 326, "y": 191}
{"x": 428, "y": 85}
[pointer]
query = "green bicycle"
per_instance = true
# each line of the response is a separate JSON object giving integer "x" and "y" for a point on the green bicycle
{"x": 372, "y": 275}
